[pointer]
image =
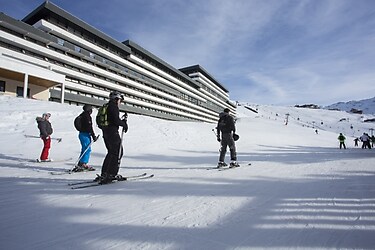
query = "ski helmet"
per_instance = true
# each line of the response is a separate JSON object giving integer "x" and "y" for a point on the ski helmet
{"x": 115, "y": 95}
{"x": 46, "y": 115}
{"x": 87, "y": 107}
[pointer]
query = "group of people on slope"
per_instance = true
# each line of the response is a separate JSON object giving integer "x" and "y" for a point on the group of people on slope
{"x": 367, "y": 141}
{"x": 225, "y": 135}
{"x": 112, "y": 139}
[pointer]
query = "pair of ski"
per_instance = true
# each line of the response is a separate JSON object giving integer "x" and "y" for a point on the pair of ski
{"x": 93, "y": 183}
{"x": 69, "y": 171}
{"x": 223, "y": 168}
{"x": 227, "y": 167}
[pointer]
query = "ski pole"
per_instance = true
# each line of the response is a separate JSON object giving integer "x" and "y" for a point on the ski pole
{"x": 120, "y": 149}
{"x": 52, "y": 138}
{"x": 213, "y": 130}
{"x": 124, "y": 118}
{"x": 81, "y": 155}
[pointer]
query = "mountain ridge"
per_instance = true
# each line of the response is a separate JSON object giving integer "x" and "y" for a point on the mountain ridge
{"x": 367, "y": 106}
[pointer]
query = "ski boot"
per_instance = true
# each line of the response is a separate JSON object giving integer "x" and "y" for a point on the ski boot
{"x": 234, "y": 164}
{"x": 86, "y": 167}
{"x": 120, "y": 178}
{"x": 98, "y": 178}
{"x": 77, "y": 169}
{"x": 106, "y": 178}
{"x": 221, "y": 164}
{"x": 46, "y": 160}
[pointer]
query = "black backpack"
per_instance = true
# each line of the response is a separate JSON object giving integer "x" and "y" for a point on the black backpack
{"x": 224, "y": 123}
{"x": 78, "y": 123}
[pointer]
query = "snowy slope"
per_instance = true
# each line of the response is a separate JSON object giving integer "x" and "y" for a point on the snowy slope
{"x": 301, "y": 191}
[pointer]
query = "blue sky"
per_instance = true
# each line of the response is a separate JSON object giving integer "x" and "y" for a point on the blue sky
{"x": 282, "y": 52}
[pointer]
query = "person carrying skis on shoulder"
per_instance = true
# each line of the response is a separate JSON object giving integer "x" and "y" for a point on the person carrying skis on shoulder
{"x": 83, "y": 124}
{"x": 45, "y": 130}
{"x": 226, "y": 130}
{"x": 112, "y": 138}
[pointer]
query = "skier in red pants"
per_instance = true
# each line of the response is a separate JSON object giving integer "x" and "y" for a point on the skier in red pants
{"x": 45, "y": 129}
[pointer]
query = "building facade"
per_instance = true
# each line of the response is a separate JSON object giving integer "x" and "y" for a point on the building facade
{"x": 55, "y": 56}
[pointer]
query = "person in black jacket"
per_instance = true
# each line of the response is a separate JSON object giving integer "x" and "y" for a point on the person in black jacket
{"x": 45, "y": 129}
{"x": 85, "y": 133}
{"x": 227, "y": 129}
{"x": 112, "y": 138}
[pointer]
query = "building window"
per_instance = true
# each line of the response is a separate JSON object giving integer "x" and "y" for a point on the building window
{"x": 60, "y": 41}
{"x": 20, "y": 92}
{"x": 2, "y": 86}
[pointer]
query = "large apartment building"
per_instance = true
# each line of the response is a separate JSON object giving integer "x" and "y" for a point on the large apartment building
{"x": 53, "y": 55}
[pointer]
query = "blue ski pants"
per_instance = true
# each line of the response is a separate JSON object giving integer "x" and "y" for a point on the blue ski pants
{"x": 85, "y": 140}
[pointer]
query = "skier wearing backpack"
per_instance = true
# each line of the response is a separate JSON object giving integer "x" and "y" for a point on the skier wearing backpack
{"x": 83, "y": 124}
{"x": 227, "y": 129}
{"x": 342, "y": 139}
{"x": 112, "y": 138}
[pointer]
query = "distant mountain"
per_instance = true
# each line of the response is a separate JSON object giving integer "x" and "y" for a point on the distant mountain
{"x": 366, "y": 106}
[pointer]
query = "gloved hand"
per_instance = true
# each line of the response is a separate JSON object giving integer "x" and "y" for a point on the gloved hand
{"x": 126, "y": 127}
{"x": 218, "y": 139}
{"x": 125, "y": 117}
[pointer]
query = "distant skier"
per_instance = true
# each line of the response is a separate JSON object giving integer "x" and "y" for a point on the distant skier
{"x": 356, "y": 142}
{"x": 365, "y": 139}
{"x": 112, "y": 138}
{"x": 227, "y": 129}
{"x": 45, "y": 131}
{"x": 83, "y": 124}
{"x": 342, "y": 139}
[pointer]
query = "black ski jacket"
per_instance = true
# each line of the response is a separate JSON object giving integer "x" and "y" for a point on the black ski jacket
{"x": 229, "y": 124}
{"x": 86, "y": 123}
{"x": 114, "y": 120}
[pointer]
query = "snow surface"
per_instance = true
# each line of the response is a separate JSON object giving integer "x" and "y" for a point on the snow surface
{"x": 301, "y": 191}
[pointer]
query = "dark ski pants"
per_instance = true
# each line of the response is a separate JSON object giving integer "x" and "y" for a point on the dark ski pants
{"x": 366, "y": 144}
{"x": 112, "y": 141}
{"x": 227, "y": 141}
{"x": 342, "y": 144}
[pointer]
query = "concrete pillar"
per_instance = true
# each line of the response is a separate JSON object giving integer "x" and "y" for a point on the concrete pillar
{"x": 62, "y": 94}
{"x": 25, "y": 85}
